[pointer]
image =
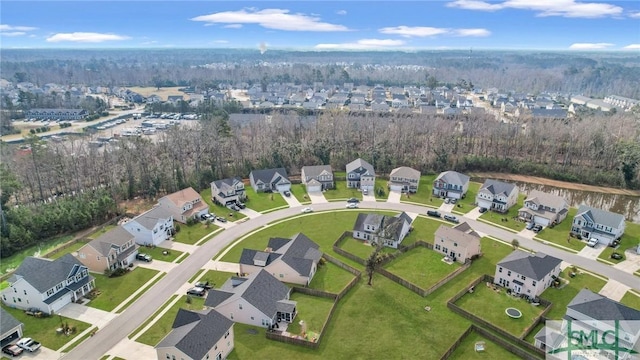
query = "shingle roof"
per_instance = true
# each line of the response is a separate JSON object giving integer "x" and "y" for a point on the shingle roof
{"x": 405, "y": 172}
{"x": 599, "y": 307}
{"x": 117, "y": 236}
{"x": 196, "y": 333}
{"x": 301, "y": 254}
{"x": 216, "y": 297}
{"x": 276, "y": 243}
{"x": 357, "y": 163}
{"x": 267, "y": 175}
{"x": 43, "y": 274}
{"x": 388, "y": 227}
{"x": 7, "y": 321}
{"x": 496, "y": 187}
{"x": 598, "y": 216}
{"x": 249, "y": 255}
{"x": 224, "y": 184}
{"x": 179, "y": 198}
{"x": 533, "y": 266}
{"x": 453, "y": 177}
{"x": 315, "y": 170}
{"x": 455, "y": 234}
{"x": 150, "y": 218}
{"x": 263, "y": 291}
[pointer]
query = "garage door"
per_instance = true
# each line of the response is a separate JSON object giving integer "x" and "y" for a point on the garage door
{"x": 396, "y": 187}
{"x": 542, "y": 221}
{"x": 9, "y": 339}
{"x": 314, "y": 188}
{"x": 285, "y": 187}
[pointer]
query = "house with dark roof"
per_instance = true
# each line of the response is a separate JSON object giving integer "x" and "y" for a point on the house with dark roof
{"x": 184, "y": 204}
{"x": 451, "y": 184}
{"x": 460, "y": 243}
{"x": 151, "y": 227}
{"x": 599, "y": 224}
{"x": 10, "y": 328}
{"x": 270, "y": 180}
{"x": 497, "y": 195}
{"x": 404, "y": 179}
{"x": 317, "y": 177}
{"x": 47, "y": 284}
{"x": 114, "y": 249}
{"x": 292, "y": 260}
{"x": 259, "y": 300}
{"x": 360, "y": 175}
{"x": 544, "y": 209}
{"x": 197, "y": 335}
{"x": 228, "y": 191}
{"x": 376, "y": 228}
{"x": 527, "y": 274}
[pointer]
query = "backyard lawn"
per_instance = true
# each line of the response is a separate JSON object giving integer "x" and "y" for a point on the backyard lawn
{"x": 341, "y": 192}
{"x": 115, "y": 290}
{"x": 510, "y": 222}
{"x": 216, "y": 278}
{"x": 466, "y": 349}
{"x": 158, "y": 253}
{"x": 191, "y": 234}
{"x": 381, "y": 184}
{"x": 490, "y": 305}
{"x": 68, "y": 250}
{"x": 361, "y": 248}
{"x": 561, "y": 297}
{"x": 219, "y": 210}
{"x": 102, "y": 231}
{"x": 467, "y": 204}
{"x": 559, "y": 234}
{"x": 330, "y": 278}
{"x": 424, "y": 194}
{"x": 262, "y": 202}
{"x": 423, "y": 229}
{"x": 12, "y": 262}
{"x": 631, "y": 300}
{"x": 421, "y": 266}
{"x": 313, "y": 310}
{"x": 300, "y": 192}
{"x": 162, "y": 327}
{"x": 630, "y": 239}
{"x": 44, "y": 329}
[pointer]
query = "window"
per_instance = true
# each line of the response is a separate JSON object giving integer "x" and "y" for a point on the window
{"x": 226, "y": 335}
{"x": 500, "y": 269}
{"x": 240, "y": 306}
{"x": 252, "y": 318}
{"x": 25, "y": 292}
{"x": 168, "y": 357}
{"x": 437, "y": 247}
{"x": 50, "y": 292}
{"x": 455, "y": 244}
{"x": 281, "y": 275}
{"x": 533, "y": 283}
{"x": 523, "y": 277}
{"x": 509, "y": 273}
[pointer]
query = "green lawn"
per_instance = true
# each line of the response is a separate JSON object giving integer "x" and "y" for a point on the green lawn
{"x": 421, "y": 266}
{"x": 559, "y": 234}
{"x": 44, "y": 329}
{"x": 381, "y": 184}
{"x": 138, "y": 295}
{"x": 330, "y": 278}
{"x": 560, "y": 297}
{"x": 466, "y": 349}
{"x": 490, "y": 305}
{"x": 157, "y": 253}
{"x": 262, "y": 202}
{"x": 510, "y": 223}
{"x": 192, "y": 234}
{"x": 102, "y": 231}
{"x": 12, "y": 262}
{"x": 115, "y": 290}
{"x": 360, "y": 248}
{"x": 69, "y": 250}
{"x": 162, "y": 327}
{"x": 423, "y": 229}
{"x": 424, "y": 194}
{"x": 630, "y": 239}
{"x": 312, "y": 310}
{"x": 216, "y": 278}
{"x": 631, "y": 300}
{"x": 219, "y": 210}
{"x": 467, "y": 204}
{"x": 341, "y": 192}
{"x": 300, "y": 192}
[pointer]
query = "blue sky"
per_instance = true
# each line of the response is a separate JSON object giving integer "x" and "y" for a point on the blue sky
{"x": 323, "y": 25}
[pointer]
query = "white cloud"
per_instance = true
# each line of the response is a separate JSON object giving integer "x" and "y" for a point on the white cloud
{"x": 564, "y": 8}
{"x": 472, "y": 32}
{"x": 149, "y": 42}
{"x": 276, "y": 19}
{"x": 363, "y": 44}
{"x": 5, "y": 27}
{"x": 341, "y": 12}
{"x": 86, "y": 37}
{"x": 13, "y": 33}
{"x": 424, "y": 31}
{"x": 230, "y": 26}
{"x": 632, "y": 47}
{"x": 220, "y": 41}
{"x": 590, "y": 46}
{"x": 635, "y": 15}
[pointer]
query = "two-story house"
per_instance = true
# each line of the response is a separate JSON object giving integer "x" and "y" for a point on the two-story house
{"x": 388, "y": 230}
{"x": 544, "y": 208}
{"x": 184, "y": 204}
{"x": 47, "y": 284}
{"x": 497, "y": 195}
{"x": 197, "y": 335}
{"x": 404, "y": 179}
{"x": 360, "y": 175}
{"x": 460, "y": 243}
{"x": 590, "y": 223}
{"x": 527, "y": 274}
{"x": 317, "y": 178}
{"x": 112, "y": 250}
{"x": 228, "y": 191}
{"x": 451, "y": 184}
{"x": 270, "y": 180}
{"x": 151, "y": 227}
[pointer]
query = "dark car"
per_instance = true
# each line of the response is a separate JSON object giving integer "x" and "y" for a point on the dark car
{"x": 616, "y": 256}
{"x": 537, "y": 228}
{"x": 204, "y": 284}
{"x": 241, "y": 205}
{"x": 197, "y": 291}
{"x": 353, "y": 200}
{"x": 433, "y": 213}
{"x": 144, "y": 257}
{"x": 483, "y": 210}
{"x": 12, "y": 350}
{"x": 287, "y": 193}
{"x": 221, "y": 219}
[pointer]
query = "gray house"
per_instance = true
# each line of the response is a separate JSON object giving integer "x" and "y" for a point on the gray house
{"x": 527, "y": 274}
{"x": 451, "y": 184}
{"x": 598, "y": 224}
{"x": 388, "y": 230}
{"x": 497, "y": 195}
{"x": 268, "y": 180}
{"x": 404, "y": 179}
{"x": 317, "y": 177}
{"x": 227, "y": 191}
{"x": 544, "y": 208}
{"x": 10, "y": 328}
{"x": 360, "y": 175}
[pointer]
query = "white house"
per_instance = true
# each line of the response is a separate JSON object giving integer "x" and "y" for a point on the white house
{"x": 599, "y": 224}
{"x": 360, "y": 175}
{"x": 404, "y": 179}
{"x": 527, "y": 274}
{"x": 451, "y": 184}
{"x": 389, "y": 230}
{"x": 544, "y": 208}
{"x": 151, "y": 227}
{"x": 497, "y": 195}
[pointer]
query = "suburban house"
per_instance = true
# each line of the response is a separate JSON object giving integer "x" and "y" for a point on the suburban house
{"x": 10, "y": 328}
{"x": 227, "y": 191}
{"x": 527, "y": 274}
{"x": 451, "y": 184}
{"x": 292, "y": 260}
{"x": 114, "y": 249}
{"x": 599, "y": 224}
{"x": 588, "y": 310}
{"x": 497, "y": 195}
{"x": 390, "y": 230}
{"x": 197, "y": 335}
{"x": 459, "y": 243}
{"x": 151, "y": 227}
{"x": 317, "y": 178}
{"x": 544, "y": 208}
{"x": 268, "y": 180}
{"x": 404, "y": 179}
{"x": 360, "y": 175}
{"x": 258, "y": 300}
{"x": 184, "y": 204}
{"x": 47, "y": 284}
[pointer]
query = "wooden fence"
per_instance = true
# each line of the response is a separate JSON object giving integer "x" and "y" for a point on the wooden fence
{"x": 348, "y": 255}
{"x": 512, "y": 348}
{"x": 314, "y": 292}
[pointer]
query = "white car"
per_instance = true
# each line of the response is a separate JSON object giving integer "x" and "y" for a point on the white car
{"x": 307, "y": 210}
{"x": 352, "y": 206}
{"x": 592, "y": 242}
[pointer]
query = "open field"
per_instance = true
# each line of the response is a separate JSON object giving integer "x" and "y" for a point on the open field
{"x": 163, "y": 92}
{"x": 421, "y": 266}
{"x": 115, "y": 290}
{"x": 466, "y": 349}
{"x": 261, "y": 202}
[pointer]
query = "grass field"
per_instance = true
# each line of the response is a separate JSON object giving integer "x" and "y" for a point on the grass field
{"x": 561, "y": 297}
{"x": 157, "y": 253}
{"x": 12, "y": 262}
{"x": 421, "y": 266}
{"x": 341, "y": 192}
{"x": 559, "y": 234}
{"x": 424, "y": 194}
{"x": 381, "y": 184}
{"x": 510, "y": 223}
{"x": 360, "y": 248}
{"x": 115, "y": 290}
{"x": 631, "y": 300}
{"x": 330, "y": 278}
{"x": 264, "y": 201}
{"x": 216, "y": 278}
{"x": 68, "y": 250}
{"x": 163, "y": 92}
{"x": 163, "y": 326}
{"x": 192, "y": 234}
{"x": 630, "y": 239}
{"x": 102, "y": 231}
{"x": 299, "y": 191}
{"x": 466, "y": 349}
{"x": 312, "y": 310}
{"x": 423, "y": 229}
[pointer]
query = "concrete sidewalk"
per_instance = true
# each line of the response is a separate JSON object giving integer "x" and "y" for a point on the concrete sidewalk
{"x": 473, "y": 214}
{"x": 251, "y": 214}
{"x": 631, "y": 264}
{"x": 87, "y": 314}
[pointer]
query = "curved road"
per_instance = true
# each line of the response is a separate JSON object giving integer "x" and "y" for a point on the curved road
{"x": 125, "y": 323}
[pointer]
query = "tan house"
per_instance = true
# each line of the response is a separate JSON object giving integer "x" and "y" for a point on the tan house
{"x": 184, "y": 204}
{"x": 460, "y": 243}
{"x": 404, "y": 179}
{"x": 544, "y": 208}
{"x": 114, "y": 249}
{"x": 527, "y": 274}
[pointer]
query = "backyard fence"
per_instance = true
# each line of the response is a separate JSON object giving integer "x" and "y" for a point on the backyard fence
{"x": 314, "y": 292}
{"x": 491, "y": 337}
{"x": 277, "y": 336}
{"x": 348, "y": 255}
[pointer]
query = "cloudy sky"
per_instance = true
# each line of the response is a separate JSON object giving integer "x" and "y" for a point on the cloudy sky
{"x": 323, "y": 25}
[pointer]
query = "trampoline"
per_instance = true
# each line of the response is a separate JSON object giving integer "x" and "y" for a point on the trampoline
{"x": 513, "y": 313}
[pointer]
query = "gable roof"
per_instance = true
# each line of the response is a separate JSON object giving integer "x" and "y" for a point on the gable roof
{"x": 462, "y": 238}
{"x": 268, "y": 175}
{"x": 357, "y": 163}
{"x": 534, "y": 266}
{"x": 453, "y": 177}
{"x": 388, "y": 227}
{"x": 249, "y": 255}
{"x": 7, "y": 321}
{"x": 224, "y": 184}
{"x": 150, "y": 218}
{"x": 542, "y": 198}
{"x": 43, "y": 274}
{"x": 301, "y": 254}
{"x": 117, "y": 236}
{"x": 599, "y": 307}
{"x": 405, "y": 172}
{"x": 315, "y": 170}
{"x": 599, "y": 216}
{"x": 496, "y": 187}
{"x": 179, "y": 198}
{"x": 196, "y": 333}
{"x": 466, "y": 228}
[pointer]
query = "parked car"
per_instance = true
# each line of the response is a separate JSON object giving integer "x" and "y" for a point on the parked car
{"x": 204, "y": 284}
{"x": 197, "y": 291}
{"x": 616, "y": 256}
{"x": 144, "y": 257}
{"x": 537, "y": 228}
{"x": 433, "y": 213}
{"x": 446, "y": 200}
{"x": 287, "y": 193}
{"x": 451, "y": 218}
{"x": 530, "y": 225}
{"x": 592, "y": 242}
{"x": 365, "y": 192}
{"x": 28, "y": 344}
{"x": 12, "y": 350}
{"x": 353, "y": 200}
{"x": 352, "y": 206}
{"x": 205, "y": 217}
{"x": 34, "y": 312}
{"x": 453, "y": 201}
{"x": 307, "y": 210}
{"x": 221, "y": 219}
{"x": 241, "y": 205}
